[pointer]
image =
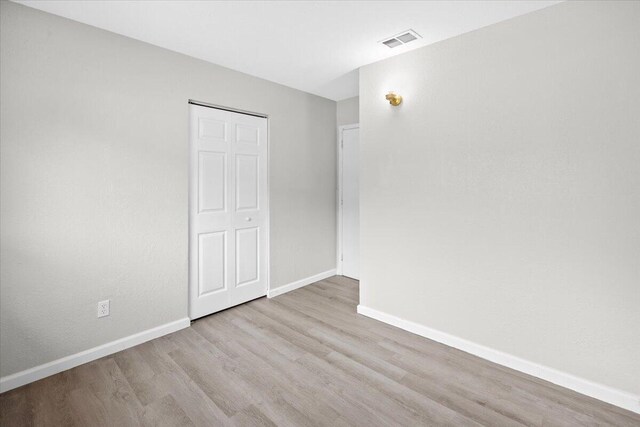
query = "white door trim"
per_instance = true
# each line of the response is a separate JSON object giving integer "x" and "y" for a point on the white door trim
{"x": 341, "y": 129}
{"x": 267, "y": 202}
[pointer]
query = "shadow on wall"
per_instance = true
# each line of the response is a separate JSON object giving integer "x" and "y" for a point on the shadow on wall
{"x": 344, "y": 86}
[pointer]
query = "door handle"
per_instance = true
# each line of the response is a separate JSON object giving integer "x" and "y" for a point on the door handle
{"x": 248, "y": 218}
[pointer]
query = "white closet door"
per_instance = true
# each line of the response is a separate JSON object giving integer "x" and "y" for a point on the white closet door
{"x": 227, "y": 210}
{"x": 350, "y": 203}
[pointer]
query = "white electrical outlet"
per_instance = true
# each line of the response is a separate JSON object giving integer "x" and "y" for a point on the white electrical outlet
{"x": 103, "y": 308}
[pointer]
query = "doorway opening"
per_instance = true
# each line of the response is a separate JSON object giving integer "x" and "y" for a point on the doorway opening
{"x": 348, "y": 263}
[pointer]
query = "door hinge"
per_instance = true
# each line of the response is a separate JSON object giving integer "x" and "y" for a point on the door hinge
{"x": 342, "y": 143}
{"x": 341, "y": 257}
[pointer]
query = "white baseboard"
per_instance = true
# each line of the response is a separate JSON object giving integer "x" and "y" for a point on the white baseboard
{"x": 30, "y": 375}
{"x": 598, "y": 391}
{"x": 300, "y": 283}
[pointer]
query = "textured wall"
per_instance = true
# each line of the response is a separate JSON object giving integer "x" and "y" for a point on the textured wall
{"x": 94, "y": 147}
{"x": 501, "y": 202}
{"x": 347, "y": 111}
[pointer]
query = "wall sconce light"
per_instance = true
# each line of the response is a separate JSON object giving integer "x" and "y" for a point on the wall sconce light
{"x": 393, "y": 99}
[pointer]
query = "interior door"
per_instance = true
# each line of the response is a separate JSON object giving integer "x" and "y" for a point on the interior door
{"x": 350, "y": 202}
{"x": 228, "y": 209}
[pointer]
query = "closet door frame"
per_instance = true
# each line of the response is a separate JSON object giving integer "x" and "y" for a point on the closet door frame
{"x": 266, "y": 204}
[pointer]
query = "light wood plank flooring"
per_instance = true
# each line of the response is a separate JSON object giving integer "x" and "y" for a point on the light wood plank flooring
{"x": 303, "y": 358}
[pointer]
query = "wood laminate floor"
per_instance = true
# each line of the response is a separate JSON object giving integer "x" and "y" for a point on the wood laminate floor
{"x": 304, "y": 358}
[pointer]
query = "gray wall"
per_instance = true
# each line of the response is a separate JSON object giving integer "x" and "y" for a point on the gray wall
{"x": 347, "y": 111}
{"x": 501, "y": 202}
{"x": 94, "y": 147}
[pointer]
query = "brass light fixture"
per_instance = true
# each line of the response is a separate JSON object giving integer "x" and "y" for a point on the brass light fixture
{"x": 394, "y": 99}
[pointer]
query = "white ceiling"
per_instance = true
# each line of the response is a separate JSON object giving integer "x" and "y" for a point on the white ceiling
{"x": 314, "y": 46}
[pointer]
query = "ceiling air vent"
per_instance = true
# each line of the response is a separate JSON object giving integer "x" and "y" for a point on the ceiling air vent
{"x": 401, "y": 38}
{"x": 392, "y": 43}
